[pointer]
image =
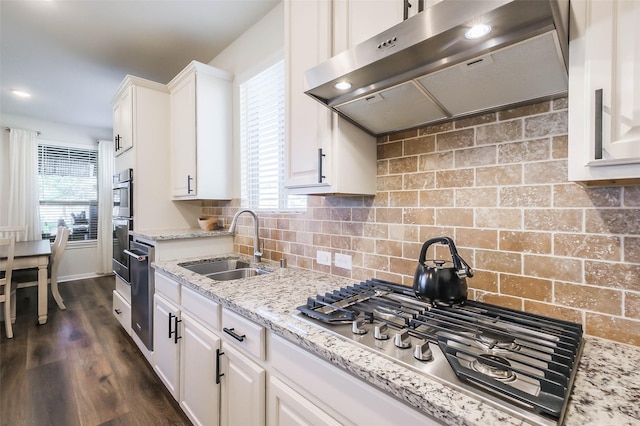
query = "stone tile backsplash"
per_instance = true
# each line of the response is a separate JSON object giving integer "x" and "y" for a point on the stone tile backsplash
{"x": 497, "y": 185}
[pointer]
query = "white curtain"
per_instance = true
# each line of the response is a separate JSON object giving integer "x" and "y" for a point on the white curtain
{"x": 24, "y": 201}
{"x": 105, "y": 207}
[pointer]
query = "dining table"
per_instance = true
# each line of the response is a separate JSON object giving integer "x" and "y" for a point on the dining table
{"x": 33, "y": 254}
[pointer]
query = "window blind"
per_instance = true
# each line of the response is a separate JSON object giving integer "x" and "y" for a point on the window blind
{"x": 68, "y": 184}
{"x": 262, "y": 142}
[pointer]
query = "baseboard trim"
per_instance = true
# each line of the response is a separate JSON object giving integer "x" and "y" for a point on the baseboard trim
{"x": 66, "y": 278}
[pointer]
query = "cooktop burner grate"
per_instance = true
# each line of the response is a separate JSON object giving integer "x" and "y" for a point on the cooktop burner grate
{"x": 526, "y": 359}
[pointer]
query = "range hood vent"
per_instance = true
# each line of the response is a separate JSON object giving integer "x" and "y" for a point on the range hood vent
{"x": 424, "y": 70}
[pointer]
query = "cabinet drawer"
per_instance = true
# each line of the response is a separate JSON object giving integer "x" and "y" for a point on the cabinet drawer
{"x": 122, "y": 311}
{"x": 204, "y": 310}
{"x": 243, "y": 334}
{"x": 168, "y": 288}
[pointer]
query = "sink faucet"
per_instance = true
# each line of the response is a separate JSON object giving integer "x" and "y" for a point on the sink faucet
{"x": 257, "y": 254}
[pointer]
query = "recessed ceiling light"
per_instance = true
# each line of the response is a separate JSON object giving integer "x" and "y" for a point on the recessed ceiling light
{"x": 477, "y": 31}
{"x": 342, "y": 85}
{"x": 21, "y": 93}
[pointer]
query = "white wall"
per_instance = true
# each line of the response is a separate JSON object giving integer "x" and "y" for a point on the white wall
{"x": 258, "y": 47}
{"x": 257, "y": 44}
{"x": 79, "y": 260}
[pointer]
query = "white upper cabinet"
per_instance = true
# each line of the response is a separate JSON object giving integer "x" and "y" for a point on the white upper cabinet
{"x": 123, "y": 120}
{"x": 356, "y": 21}
{"x": 326, "y": 154}
{"x": 201, "y": 144}
{"x": 604, "y": 91}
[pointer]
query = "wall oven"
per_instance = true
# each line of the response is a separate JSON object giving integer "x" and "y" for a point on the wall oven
{"x": 123, "y": 194}
{"x": 122, "y": 222}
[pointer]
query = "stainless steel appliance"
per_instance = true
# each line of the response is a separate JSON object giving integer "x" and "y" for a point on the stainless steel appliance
{"x": 520, "y": 362}
{"x": 120, "y": 261}
{"x": 122, "y": 221}
{"x": 142, "y": 288}
{"x": 428, "y": 68}
{"x": 123, "y": 194}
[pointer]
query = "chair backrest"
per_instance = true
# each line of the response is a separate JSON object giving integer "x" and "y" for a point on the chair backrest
{"x": 59, "y": 245}
{"x": 19, "y": 232}
{"x": 7, "y": 251}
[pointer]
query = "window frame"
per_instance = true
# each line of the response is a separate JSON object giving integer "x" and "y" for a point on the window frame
{"x": 244, "y": 197}
{"x": 90, "y": 204}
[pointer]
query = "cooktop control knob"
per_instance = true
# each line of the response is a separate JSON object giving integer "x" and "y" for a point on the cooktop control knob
{"x": 402, "y": 340}
{"x": 357, "y": 326}
{"x": 422, "y": 352}
{"x": 380, "y": 332}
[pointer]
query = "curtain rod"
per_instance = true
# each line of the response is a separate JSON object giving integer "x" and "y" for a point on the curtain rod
{"x": 8, "y": 129}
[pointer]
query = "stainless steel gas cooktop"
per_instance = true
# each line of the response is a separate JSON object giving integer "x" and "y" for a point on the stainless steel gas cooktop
{"x": 520, "y": 362}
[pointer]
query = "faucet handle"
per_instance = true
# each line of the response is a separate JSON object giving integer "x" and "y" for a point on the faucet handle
{"x": 257, "y": 255}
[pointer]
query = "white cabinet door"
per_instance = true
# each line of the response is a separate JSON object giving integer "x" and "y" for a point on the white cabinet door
{"x": 122, "y": 311}
{"x": 199, "y": 392}
{"x": 183, "y": 137}
{"x": 123, "y": 121}
{"x": 325, "y": 154}
{"x": 289, "y": 408}
{"x": 604, "y": 91}
{"x": 243, "y": 389}
{"x": 166, "y": 343}
{"x": 356, "y": 21}
{"x": 308, "y": 125}
{"x": 201, "y": 136}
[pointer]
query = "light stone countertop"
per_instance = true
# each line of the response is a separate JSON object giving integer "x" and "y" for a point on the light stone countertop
{"x": 178, "y": 234}
{"x": 606, "y": 389}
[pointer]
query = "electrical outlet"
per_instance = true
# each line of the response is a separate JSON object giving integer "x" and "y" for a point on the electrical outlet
{"x": 343, "y": 261}
{"x": 323, "y": 257}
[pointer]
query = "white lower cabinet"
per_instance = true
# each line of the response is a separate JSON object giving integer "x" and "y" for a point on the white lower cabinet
{"x": 122, "y": 311}
{"x": 327, "y": 392}
{"x": 226, "y": 370}
{"x": 288, "y": 408}
{"x": 242, "y": 388}
{"x": 166, "y": 347}
{"x": 199, "y": 392}
{"x": 208, "y": 371}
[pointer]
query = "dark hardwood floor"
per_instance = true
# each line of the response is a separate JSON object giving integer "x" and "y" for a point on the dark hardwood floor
{"x": 80, "y": 368}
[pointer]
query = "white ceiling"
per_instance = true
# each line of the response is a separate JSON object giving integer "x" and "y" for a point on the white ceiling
{"x": 72, "y": 55}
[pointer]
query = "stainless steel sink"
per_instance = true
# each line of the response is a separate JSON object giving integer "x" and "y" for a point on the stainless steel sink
{"x": 235, "y": 274}
{"x": 225, "y": 270}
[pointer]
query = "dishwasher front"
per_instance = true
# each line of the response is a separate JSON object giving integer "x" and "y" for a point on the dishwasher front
{"x": 142, "y": 289}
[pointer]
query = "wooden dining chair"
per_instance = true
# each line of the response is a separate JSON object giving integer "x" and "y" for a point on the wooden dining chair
{"x": 19, "y": 232}
{"x": 57, "y": 251}
{"x": 7, "y": 246}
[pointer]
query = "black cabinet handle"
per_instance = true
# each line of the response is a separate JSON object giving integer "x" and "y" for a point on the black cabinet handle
{"x": 320, "y": 175}
{"x": 175, "y": 332}
{"x": 175, "y": 327}
{"x": 117, "y": 311}
{"x": 189, "y": 179}
{"x": 232, "y": 333}
{"x": 598, "y": 126}
{"x": 408, "y": 5}
{"x": 218, "y": 373}
{"x": 117, "y": 142}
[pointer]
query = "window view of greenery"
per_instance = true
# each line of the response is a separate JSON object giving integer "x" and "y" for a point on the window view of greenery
{"x": 262, "y": 143}
{"x": 68, "y": 179}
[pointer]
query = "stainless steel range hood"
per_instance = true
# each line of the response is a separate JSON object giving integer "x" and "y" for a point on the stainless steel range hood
{"x": 424, "y": 70}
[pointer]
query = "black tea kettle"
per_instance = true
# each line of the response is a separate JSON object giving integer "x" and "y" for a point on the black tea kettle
{"x": 440, "y": 285}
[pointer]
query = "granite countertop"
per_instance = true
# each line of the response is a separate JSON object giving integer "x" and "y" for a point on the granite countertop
{"x": 606, "y": 389}
{"x": 177, "y": 234}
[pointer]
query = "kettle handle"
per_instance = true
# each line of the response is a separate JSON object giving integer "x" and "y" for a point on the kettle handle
{"x": 427, "y": 244}
{"x": 458, "y": 262}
